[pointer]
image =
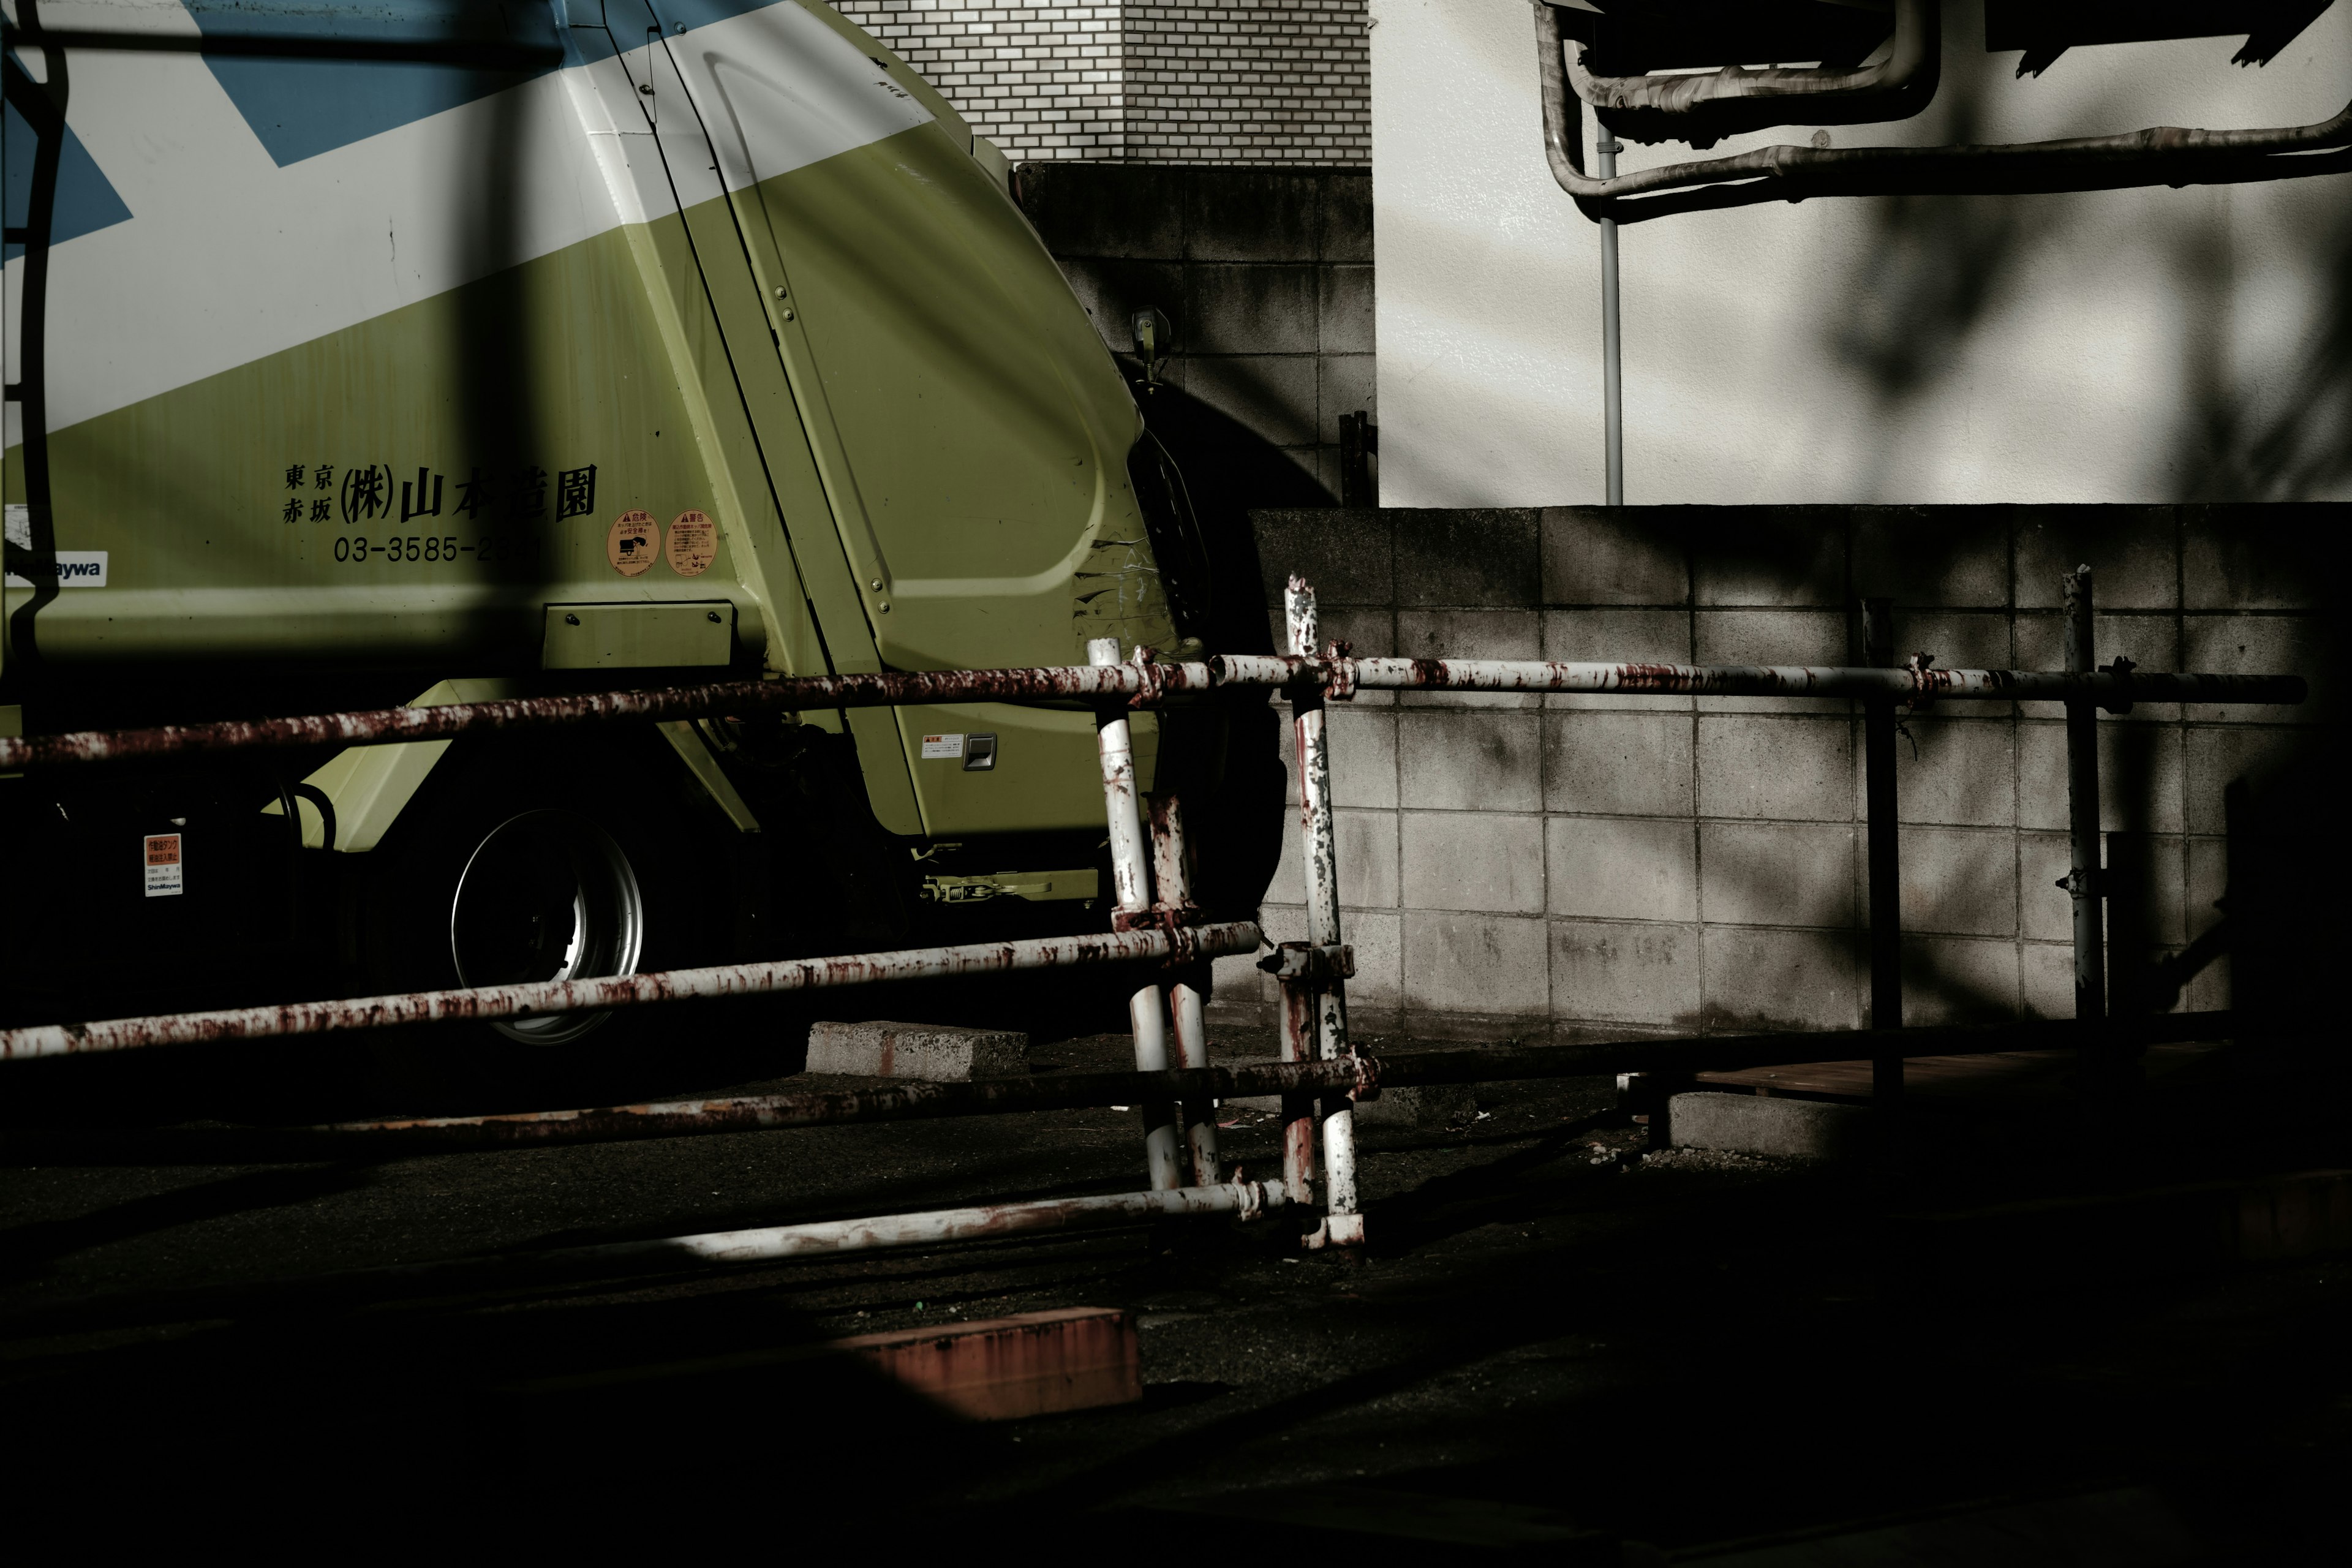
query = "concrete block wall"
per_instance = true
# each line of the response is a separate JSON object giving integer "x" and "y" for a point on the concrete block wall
{"x": 1264, "y": 274}
{"x": 1216, "y": 81}
{"x": 1588, "y": 866}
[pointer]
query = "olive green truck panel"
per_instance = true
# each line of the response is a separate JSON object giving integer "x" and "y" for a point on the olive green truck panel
{"x": 710, "y": 344}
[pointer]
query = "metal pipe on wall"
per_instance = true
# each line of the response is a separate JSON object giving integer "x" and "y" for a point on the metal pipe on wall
{"x": 2108, "y": 689}
{"x": 1613, "y": 352}
{"x": 2085, "y": 878}
{"x": 1703, "y": 107}
{"x": 1879, "y": 810}
{"x": 2159, "y": 155}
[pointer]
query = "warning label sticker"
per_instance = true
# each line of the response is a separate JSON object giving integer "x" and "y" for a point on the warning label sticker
{"x": 942, "y": 746}
{"x": 634, "y": 542}
{"x": 164, "y": 866}
{"x": 693, "y": 543}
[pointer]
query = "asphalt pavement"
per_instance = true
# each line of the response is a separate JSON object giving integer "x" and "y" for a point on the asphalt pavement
{"x": 1551, "y": 1334}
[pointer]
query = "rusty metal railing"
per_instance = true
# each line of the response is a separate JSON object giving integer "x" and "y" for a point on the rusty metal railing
{"x": 1322, "y": 1076}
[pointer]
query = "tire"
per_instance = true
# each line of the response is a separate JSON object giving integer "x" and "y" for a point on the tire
{"x": 531, "y": 859}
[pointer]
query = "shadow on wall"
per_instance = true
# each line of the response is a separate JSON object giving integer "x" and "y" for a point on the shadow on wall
{"x": 1229, "y": 469}
{"x": 2224, "y": 871}
{"x": 1940, "y": 270}
{"x": 2291, "y": 440}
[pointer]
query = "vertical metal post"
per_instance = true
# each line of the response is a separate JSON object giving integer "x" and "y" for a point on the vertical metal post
{"x": 1612, "y": 373}
{"x": 1172, "y": 877}
{"x": 2084, "y": 879}
{"x": 1131, "y": 885}
{"x": 1298, "y": 1108}
{"x": 1320, "y": 859}
{"x": 1885, "y": 866}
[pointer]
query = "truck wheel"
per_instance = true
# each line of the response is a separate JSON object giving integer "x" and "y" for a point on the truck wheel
{"x": 541, "y": 859}
{"x": 546, "y": 895}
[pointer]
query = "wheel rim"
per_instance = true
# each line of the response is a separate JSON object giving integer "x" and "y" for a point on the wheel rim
{"x": 546, "y": 896}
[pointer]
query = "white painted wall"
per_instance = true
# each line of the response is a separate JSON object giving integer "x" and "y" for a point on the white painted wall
{"x": 2148, "y": 345}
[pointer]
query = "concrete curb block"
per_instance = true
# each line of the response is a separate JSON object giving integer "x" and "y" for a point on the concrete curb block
{"x": 1755, "y": 1124}
{"x": 934, "y": 1052}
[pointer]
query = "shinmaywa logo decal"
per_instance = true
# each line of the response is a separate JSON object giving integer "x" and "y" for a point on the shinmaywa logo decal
{"x": 74, "y": 569}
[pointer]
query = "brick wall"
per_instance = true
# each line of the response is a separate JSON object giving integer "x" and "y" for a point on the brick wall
{"x": 1584, "y": 867}
{"x": 1216, "y": 81}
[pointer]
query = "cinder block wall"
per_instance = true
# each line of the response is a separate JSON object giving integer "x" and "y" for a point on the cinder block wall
{"x": 1580, "y": 867}
{"x": 1265, "y": 274}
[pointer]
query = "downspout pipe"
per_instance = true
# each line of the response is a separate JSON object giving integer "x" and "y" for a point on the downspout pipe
{"x": 1704, "y": 108}
{"x": 1613, "y": 344}
{"x": 2159, "y": 155}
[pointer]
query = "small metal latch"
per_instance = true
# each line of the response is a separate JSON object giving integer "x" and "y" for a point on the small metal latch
{"x": 2121, "y": 669}
{"x": 1339, "y": 674}
{"x": 1305, "y": 960}
{"x": 1920, "y": 698}
{"x": 2080, "y": 882}
{"x": 1154, "y": 680}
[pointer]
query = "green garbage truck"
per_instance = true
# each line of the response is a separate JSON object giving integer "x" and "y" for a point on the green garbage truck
{"x": 421, "y": 350}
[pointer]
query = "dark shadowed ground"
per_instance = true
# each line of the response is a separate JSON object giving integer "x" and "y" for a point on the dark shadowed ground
{"x": 1548, "y": 1330}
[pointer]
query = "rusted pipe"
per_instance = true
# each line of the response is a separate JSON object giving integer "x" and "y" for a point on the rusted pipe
{"x": 1318, "y": 856}
{"x": 798, "y": 694}
{"x": 2106, "y": 689}
{"x": 769, "y": 1244}
{"x": 1485, "y": 1064}
{"x": 1171, "y": 882}
{"x": 1147, "y": 1007}
{"x": 1009, "y": 1096}
{"x": 1702, "y": 108}
{"x": 1142, "y": 685}
{"x": 2161, "y": 155}
{"x": 772, "y": 1244}
{"x": 486, "y": 1002}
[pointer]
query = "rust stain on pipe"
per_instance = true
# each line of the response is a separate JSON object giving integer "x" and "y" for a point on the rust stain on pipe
{"x": 1126, "y": 682}
{"x": 620, "y": 991}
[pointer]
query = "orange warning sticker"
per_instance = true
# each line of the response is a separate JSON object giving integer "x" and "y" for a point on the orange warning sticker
{"x": 163, "y": 867}
{"x": 634, "y": 542}
{"x": 693, "y": 543}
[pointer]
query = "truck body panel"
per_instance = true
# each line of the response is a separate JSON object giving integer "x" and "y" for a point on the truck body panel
{"x": 396, "y": 365}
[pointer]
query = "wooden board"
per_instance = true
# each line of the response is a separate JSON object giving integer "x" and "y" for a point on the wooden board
{"x": 1003, "y": 1369}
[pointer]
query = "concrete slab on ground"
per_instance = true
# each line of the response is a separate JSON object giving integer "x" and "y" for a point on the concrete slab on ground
{"x": 1757, "y": 1124}
{"x": 928, "y": 1051}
